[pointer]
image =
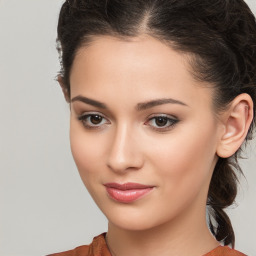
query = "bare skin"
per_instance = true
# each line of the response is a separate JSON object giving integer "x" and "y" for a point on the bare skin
{"x": 138, "y": 115}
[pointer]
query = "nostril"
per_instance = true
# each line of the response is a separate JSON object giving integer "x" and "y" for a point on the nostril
{"x": 124, "y": 153}
{"x": 125, "y": 163}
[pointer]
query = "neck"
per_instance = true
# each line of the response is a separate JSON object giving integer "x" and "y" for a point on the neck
{"x": 185, "y": 235}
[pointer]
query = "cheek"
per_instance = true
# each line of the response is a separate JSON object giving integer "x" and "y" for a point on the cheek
{"x": 187, "y": 158}
{"x": 183, "y": 168}
{"x": 85, "y": 150}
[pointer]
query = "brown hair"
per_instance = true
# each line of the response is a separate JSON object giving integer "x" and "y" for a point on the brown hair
{"x": 220, "y": 35}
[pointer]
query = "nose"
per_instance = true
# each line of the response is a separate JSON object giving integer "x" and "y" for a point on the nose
{"x": 124, "y": 153}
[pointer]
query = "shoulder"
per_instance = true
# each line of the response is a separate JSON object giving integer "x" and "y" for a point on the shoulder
{"x": 97, "y": 247}
{"x": 81, "y": 250}
{"x": 224, "y": 251}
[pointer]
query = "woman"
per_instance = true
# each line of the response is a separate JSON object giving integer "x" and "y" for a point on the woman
{"x": 162, "y": 96}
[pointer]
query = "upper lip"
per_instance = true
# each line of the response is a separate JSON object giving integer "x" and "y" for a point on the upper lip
{"x": 127, "y": 186}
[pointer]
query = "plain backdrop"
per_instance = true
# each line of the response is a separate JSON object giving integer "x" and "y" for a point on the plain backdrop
{"x": 44, "y": 207}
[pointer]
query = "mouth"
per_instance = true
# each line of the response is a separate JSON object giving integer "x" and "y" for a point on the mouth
{"x": 127, "y": 192}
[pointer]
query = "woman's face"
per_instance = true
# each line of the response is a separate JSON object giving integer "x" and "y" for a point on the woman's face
{"x": 143, "y": 132}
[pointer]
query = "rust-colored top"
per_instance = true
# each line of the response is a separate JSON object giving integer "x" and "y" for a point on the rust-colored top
{"x": 98, "y": 247}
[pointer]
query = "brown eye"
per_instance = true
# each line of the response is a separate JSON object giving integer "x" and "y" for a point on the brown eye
{"x": 95, "y": 119}
{"x": 161, "y": 121}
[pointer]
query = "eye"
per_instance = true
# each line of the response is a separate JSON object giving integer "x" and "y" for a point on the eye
{"x": 162, "y": 122}
{"x": 93, "y": 121}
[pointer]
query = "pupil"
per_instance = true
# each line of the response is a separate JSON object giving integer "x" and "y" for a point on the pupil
{"x": 96, "y": 119}
{"x": 161, "y": 121}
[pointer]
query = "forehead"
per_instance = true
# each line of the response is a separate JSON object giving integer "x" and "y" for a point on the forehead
{"x": 133, "y": 55}
{"x": 141, "y": 64}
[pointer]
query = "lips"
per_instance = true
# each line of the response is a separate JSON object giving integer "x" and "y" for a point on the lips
{"x": 127, "y": 192}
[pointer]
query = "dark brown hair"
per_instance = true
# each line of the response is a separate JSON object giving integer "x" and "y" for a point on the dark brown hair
{"x": 219, "y": 35}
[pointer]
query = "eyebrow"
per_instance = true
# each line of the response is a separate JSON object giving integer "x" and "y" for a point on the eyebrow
{"x": 92, "y": 102}
{"x": 153, "y": 103}
{"x": 139, "y": 107}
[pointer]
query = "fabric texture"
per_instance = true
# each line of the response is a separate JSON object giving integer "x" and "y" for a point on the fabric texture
{"x": 224, "y": 251}
{"x": 98, "y": 247}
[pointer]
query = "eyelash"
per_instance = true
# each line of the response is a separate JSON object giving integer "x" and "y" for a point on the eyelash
{"x": 169, "y": 119}
{"x": 85, "y": 118}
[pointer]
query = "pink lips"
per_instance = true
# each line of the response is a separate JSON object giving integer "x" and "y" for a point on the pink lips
{"x": 128, "y": 192}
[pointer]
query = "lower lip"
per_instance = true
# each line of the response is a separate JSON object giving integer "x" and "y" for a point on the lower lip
{"x": 127, "y": 196}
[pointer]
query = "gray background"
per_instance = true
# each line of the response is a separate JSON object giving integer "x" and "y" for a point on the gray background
{"x": 44, "y": 205}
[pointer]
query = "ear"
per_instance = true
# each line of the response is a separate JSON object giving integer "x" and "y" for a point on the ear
{"x": 64, "y": 88}
{"x": 236, "y": 120}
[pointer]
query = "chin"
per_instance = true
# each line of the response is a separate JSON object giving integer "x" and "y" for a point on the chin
{"x": 134, "y": 225}
{"x": 132, "y": 219}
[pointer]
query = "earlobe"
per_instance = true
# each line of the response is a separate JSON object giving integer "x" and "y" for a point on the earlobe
{"x": 237, "y": 120}
{"x": 64, "y": 88}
